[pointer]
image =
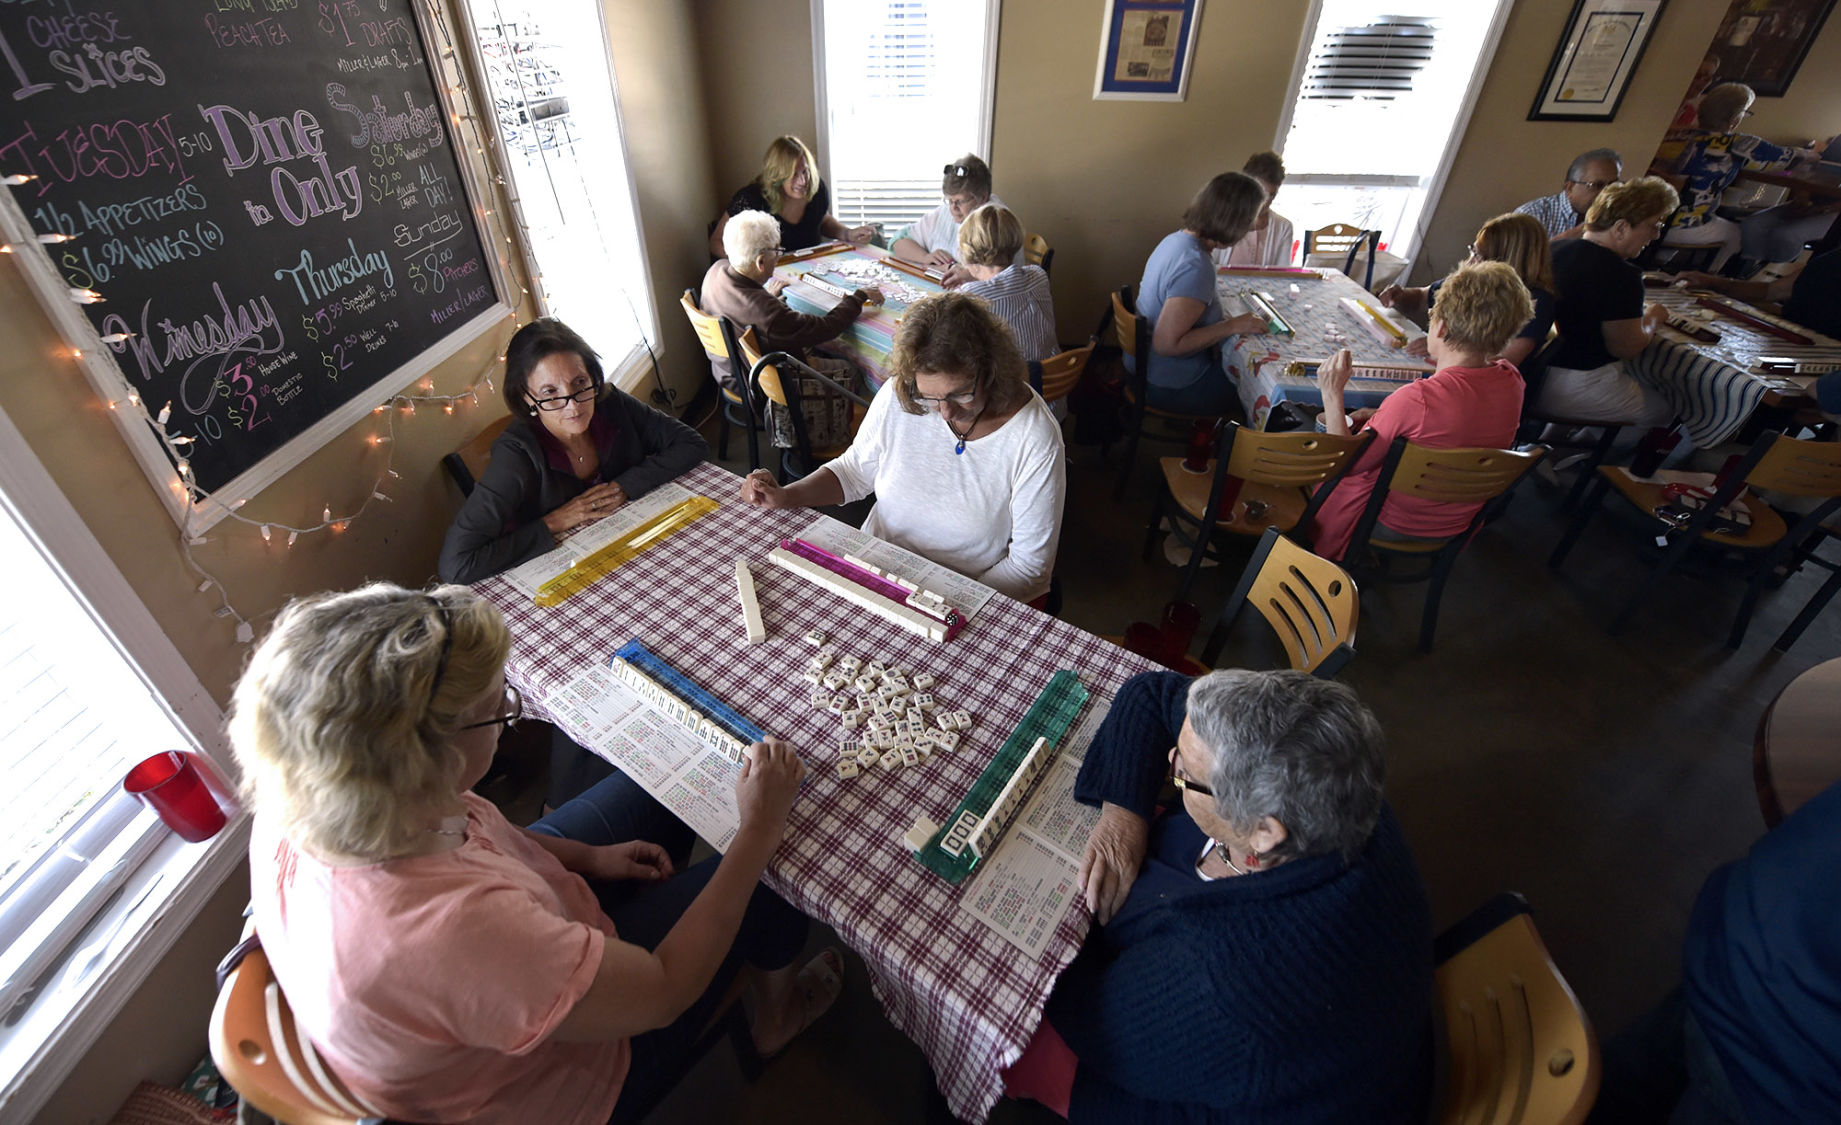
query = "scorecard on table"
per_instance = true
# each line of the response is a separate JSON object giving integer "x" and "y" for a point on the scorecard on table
{"x": 977, "y": 823}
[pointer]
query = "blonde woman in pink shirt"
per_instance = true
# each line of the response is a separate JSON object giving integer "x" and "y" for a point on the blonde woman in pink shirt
{"x": 1473, "y": 399}
{"x": 448, "y": 965}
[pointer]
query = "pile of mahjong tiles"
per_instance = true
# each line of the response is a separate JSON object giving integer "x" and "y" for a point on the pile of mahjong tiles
{"x": 893, "y": 284}
{"x": 890, "y": 718}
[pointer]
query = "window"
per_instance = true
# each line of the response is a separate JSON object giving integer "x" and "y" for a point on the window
{"x": 93, "y": 889}
{"x": 922, "y": 69}
{"x": 550, "y": 84}
{"x": 1379, "y": 104}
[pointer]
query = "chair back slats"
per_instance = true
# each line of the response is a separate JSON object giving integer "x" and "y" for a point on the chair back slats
{"x": 1125, "y": 325}
{"x": 708, "y": 328}
{"x": 1521, "y": 1048}
{"x": 1061, "y": 373}
{"x": 1799, "y": 468}
{"x": 1290, "y": 459}
{"x": 1457, "y": 476}
{"x": 769, "y": 378}
{"x": 1310, "y": 602}
{"x": 1036, "y": 250}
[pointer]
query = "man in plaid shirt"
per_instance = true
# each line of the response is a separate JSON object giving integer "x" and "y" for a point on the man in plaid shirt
{"x": 1563, "y": 212}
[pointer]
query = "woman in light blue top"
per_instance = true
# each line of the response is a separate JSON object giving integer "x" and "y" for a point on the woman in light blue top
{"x": 1177, "y": 295}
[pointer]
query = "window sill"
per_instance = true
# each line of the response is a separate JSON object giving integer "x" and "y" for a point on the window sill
{"x": 77, "y": 1002}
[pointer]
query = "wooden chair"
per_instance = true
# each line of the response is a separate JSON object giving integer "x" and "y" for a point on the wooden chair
{"x": 739, "y": 406}
{"x": 1339, "y": 237}
{"x": 1037, "y": 252}
{"x": 1777, "y": 463}
{"x": 468, "y": 463}
{"x": 764, "y": 373}
{"x": 1061, "y": 373}
{"x": 261, "y": 1051}
{"x": 1453, "y": 476}
{"x": 1311, "y": 603}
{"x": 1276, "y": 475}
{"x": 1519, "y": 1046}
{"x": 1133, "y": 333}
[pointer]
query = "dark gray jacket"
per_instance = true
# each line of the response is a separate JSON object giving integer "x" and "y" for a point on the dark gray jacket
{"x": 501, "y": 523}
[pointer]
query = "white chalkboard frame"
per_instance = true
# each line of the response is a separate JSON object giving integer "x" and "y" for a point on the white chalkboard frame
{"x": 113, "y": 386}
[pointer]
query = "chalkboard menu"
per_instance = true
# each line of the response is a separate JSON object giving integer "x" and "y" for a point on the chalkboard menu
{"x": 266, "y": 194}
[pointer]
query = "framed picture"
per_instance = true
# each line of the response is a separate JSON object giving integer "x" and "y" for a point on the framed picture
{"x": 1598, "y": 52}
{"x": 1146, "y": 47}
{"x": 1762, "y": 43}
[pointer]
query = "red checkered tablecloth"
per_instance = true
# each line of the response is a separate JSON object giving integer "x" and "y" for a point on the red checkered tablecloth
{"x": 969, "y": 998}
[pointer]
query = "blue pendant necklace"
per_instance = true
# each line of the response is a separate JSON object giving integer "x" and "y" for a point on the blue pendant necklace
{"x": 959, "y": 449}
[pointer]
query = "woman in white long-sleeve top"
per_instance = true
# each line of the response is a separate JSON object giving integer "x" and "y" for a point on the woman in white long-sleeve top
{"x": 966, "y": 462}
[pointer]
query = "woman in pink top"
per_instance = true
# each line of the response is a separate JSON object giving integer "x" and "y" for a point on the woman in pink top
{"x": 1468, "y": 401}
{"x": 448, "y": 965}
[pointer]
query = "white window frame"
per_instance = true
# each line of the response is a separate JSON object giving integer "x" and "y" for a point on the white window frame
{"x": 57, "y": 1037}
{"x": 1411, "y": 242}
{"x": 628, "y": 371}
{"x": 987, "y": 101}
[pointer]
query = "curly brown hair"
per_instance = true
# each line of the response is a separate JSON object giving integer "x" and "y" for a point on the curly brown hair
{"x": 955, "y": 333}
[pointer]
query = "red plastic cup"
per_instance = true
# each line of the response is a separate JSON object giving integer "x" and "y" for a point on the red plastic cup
{"x": 173, "y": 786}
{"x": 1201, "y": 444}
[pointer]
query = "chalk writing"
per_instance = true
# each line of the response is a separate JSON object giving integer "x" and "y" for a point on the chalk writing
{"x": 322, "y": 280}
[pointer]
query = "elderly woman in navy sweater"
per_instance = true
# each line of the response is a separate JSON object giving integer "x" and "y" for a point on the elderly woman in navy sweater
{"x": 1264, "y": 947}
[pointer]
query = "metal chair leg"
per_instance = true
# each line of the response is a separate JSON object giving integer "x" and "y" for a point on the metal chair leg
{"x": 722, "y": 431}
{"x": 1810, "y": 612}
{"x": 1434, "y": 596}
{"x": 1156, "y": 524}
{"x": 1671, "y": 558}
{"x": 1587, "y": 509}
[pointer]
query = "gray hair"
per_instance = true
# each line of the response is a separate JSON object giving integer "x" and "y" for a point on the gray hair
{"x": 1290, "y": 746}
{"x": 747, "y": 235}
{"x": 1576, "y": 170}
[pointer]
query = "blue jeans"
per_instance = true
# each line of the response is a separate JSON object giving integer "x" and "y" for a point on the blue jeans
{"x": 772, "y": 933}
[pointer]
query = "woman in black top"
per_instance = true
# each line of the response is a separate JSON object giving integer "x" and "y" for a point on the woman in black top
{"x": 790, "y": 190}
{"x": 578, "y": 450}
{"x": 1601, "y": 316}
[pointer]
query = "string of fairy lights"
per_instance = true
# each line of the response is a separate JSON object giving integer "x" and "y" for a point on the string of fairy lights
{"x": 198, "y": 501}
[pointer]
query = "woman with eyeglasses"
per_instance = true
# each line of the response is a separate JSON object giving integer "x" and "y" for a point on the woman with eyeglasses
{"x": 1521, "y": 242}
{"x": 964, "y": 459}
{"x": 1262, "y": 946}
{"x": 577, "y": 451}
{"x": 1715, "y": 153}
{"x": 448, "y": 965}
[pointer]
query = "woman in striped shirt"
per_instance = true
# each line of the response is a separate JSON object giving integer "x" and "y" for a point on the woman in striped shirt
{"x": 989, "y": 241}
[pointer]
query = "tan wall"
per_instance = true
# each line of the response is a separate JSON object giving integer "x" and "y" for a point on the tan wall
{"x": 757, "y": 78}
{"x": 1103, "y": 181}
{"x": 68, "y": 430}
{"x": 661, "y": 107}
{"x": 1812, "y": 107}
{"x": 1505, "y": 159}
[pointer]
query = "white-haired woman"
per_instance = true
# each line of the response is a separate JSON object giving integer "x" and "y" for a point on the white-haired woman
{"x": 742, "y": 287}
{"x": 1263, "y": 947}
{"x": 965, "y": 461}
{"x": 448, "y": 965}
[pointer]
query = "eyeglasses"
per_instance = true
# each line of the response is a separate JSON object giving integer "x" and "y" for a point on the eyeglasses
{"x": 514, "y": 707}
{"x": 1595, "y": 185}
{"x": 1476, "y": 254}
{"x": 557, "y": 402}
{"x": 963, "y": 398}
{"x": 956, "y": 170}
{"x": 1181, "y": 782}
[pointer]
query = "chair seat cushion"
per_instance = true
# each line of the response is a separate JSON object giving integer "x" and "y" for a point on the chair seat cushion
{"x": 1283, "y": 505}
{"x": 1767, "y": 526}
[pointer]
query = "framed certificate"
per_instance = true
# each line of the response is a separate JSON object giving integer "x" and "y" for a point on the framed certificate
{"x": 1597, "y": 54}
{"x": 1146, "y": 47}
